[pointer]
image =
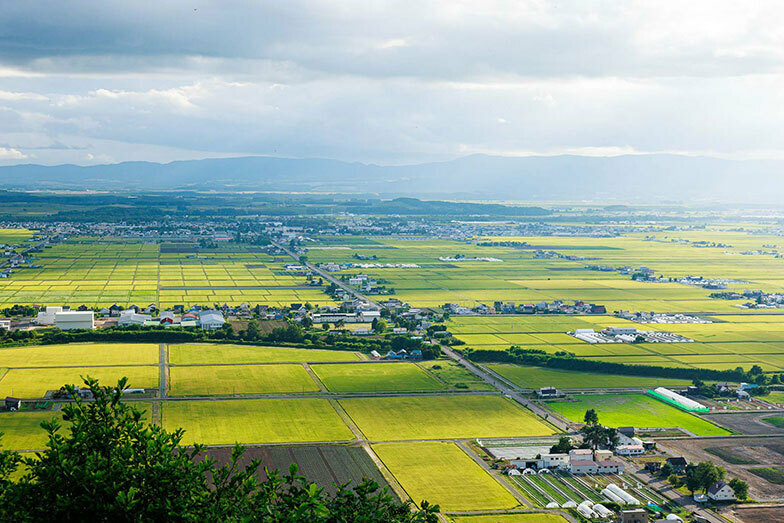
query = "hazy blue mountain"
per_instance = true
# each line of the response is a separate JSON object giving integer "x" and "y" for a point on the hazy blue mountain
{"x": 621, "y": 178}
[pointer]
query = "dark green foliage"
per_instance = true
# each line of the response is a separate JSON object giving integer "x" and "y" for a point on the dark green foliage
{"x": 111, "y": 466}
{"x": 563, "y": 446}
{"x": 740, "y": 488}
{"x": 539, "y": 358}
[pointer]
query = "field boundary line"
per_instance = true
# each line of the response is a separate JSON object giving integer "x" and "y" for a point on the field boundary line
{"x": 522, "y": 500}
{"x": 350, "y": 423}
{"x": 394, "y": 484}
{"x": 314, "y": 377}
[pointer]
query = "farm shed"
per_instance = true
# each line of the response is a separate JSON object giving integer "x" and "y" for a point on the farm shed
{"x": 67, "y": 320}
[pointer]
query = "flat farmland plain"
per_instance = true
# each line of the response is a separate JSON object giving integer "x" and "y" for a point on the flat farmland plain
{"x": 300, "y": 420}
{"x": 240, "y": 379}
{"x": 376, "y": 377}
{"x": 33, "y": 383}
{"x": 443, "y": 474}
{"x": 442, "y": 417}
{"x": 80, "y": 354}
{"x": 635, "y": 410}
{"x": 198, "y": 353}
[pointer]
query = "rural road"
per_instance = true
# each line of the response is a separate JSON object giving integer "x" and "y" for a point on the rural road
{"x": 327, "y": 276}
{"x": 506, "y": 389}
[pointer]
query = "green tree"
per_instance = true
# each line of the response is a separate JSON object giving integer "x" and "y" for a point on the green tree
{"x": 740, "y": 488}
{"x": 563, "y": 446}
{"x": 666, "y": 470}
{"x": 252, "y": 332}
{"x": 707, "y": 474}
{"x": 379, "y": 326}
{"x": 111, "y": 466}
{"x": 591, "y": 417}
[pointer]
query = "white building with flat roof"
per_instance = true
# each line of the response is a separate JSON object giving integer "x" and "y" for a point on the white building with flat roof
{"x": 68, "y": 320}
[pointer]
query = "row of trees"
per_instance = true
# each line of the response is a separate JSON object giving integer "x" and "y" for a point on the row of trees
{"x": 111, "y": 466}
{"x": 567, "y": 361}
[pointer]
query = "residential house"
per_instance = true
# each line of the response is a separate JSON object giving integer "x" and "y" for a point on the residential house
{"x": 678, "y": 464}
{"x": 720, "y": 491}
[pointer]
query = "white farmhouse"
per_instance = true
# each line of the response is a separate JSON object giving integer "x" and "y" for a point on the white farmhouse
{"x": 720, "y": 491}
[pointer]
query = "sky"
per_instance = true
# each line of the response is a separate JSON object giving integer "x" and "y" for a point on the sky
{"x": 388, "y": 82}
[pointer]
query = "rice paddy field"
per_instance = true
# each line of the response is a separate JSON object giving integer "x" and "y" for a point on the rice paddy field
{"x": 34, "y": 383}
{"x": 80, "y": 354}
{"x": 442, "y": 417}
{"x": 240, "y": 379}
{"x": 536, "y": 377}
{"x": 538, "y": 517}
{"x": 376, "y": 377}
{"x": 99, "y": 273}
{"x": 635, "y": 410}
{"x": 300, "y": 420}
{"x": 443, "y": 474}
{"x": 205, "y": 353}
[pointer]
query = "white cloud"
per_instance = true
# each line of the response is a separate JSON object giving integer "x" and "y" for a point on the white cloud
{"x": 11, "y": 154}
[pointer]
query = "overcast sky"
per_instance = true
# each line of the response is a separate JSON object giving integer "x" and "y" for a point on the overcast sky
{"x": 388, "y": 82}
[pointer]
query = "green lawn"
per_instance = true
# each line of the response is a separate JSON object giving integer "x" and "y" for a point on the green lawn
{"x": 439, "y": 417}
{"x": 636, "y": 410}
{"x": 189, "y": 353}
{"x": 535, "y": 377}
{"x": 443, "y": 474}
{"x": 375, "y": 377}
{"x": 256, "y": 421}
{"x": 240, "y": 379}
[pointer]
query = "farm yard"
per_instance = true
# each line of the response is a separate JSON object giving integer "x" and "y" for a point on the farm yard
{"x": 635, "y": 410}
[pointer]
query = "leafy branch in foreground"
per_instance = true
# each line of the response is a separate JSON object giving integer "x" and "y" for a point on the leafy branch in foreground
{"x": 105, "y": 463}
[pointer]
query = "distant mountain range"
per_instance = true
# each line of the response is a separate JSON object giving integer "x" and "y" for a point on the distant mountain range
{"x": 631, "y": 178}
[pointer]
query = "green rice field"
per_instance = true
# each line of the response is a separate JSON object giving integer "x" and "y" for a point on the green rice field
{"x": 33, "y": 383}
{"x": 256, "y": 421}
{"x": 442, "y": 417}
{"x": 536, "y": 377}
{"x": 376, "y": 377}
{"x": 240, "y": 379}
{"x": 635, "y": 410}
{"x": 423, "y": 468}
{"x": 201, "y": 353}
